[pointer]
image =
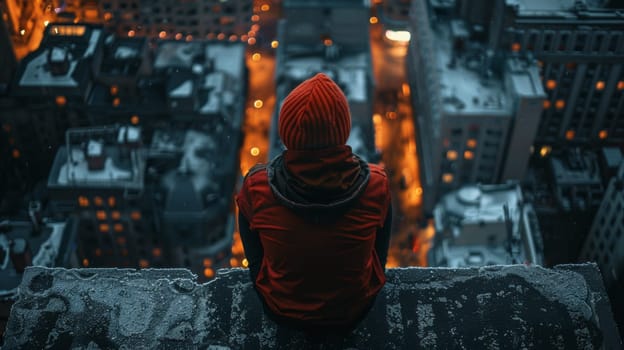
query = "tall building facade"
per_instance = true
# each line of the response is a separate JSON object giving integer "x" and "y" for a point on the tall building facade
{"x": 579, "y": 47}
{"x": 478, "y": 112}
{"x": 605, "y": 242}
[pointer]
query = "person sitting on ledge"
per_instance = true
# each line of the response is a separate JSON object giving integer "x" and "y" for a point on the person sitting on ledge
{"x": 315, "y": 221}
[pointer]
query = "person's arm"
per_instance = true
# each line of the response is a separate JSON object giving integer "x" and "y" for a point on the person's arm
{"x": 252, "y": 246}
{"x": 382, "y": 240}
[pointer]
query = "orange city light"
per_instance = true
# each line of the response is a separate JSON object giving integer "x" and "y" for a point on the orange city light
{"x": 98, "y": 201}
{"x": 603, "y": 134}
{"x": 447, "y": 178}
{"x": 83, "y": 201}
{"x": 469, "y": 155}
{"x": 472, "y": 143}
{"x": 274, "y": 44}
{"x": 451, "y": 155}
{"x": 208, "y": 272}
{"x": 115, "y": 215}
{"x": 551, "y": 84}
{"x": 265, "y": 7}
{"x": 256, "y": 57}
{"x": 600, "y": 85}
{"x": 373, "y": 20}
{"x": 255, "y": 151}
{"x": 135, "y": 215}
{"x": 61, "y": 101}
{"x": 143, "y": 263}
{"x": 620, "y": 85}
{"x": 546, "y": 104}
{"x": 162, "y": 34}
{"x": 515, "y": 47}
{"x": 134, "y": 120}
{"x": 258, "y": 103}
{"x": 328, "y": 42}
{"x": 16, "y": 153}
{"x": 560, "y": 104}
{"x": 569, "y": 135}
{"x": 100, "y": 214}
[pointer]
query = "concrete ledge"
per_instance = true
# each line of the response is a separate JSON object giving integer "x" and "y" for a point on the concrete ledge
{"x": 500, "y": 307}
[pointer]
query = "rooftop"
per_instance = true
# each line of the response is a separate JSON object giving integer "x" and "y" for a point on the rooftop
{"x": 513, "y": 306}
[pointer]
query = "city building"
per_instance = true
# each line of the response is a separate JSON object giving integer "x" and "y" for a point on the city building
{"x": 168, "y": 204}
{"x": 565, "y": 188}
{"x": 50, "y": 91}
{"x": 579, "y": 46}
{"x": 605, "y": 242}
{"x": 335, "y": 46}
{"x": 481, "y": 225}
{"x": 29, "y": 243}
{"x": 477, "y": 112}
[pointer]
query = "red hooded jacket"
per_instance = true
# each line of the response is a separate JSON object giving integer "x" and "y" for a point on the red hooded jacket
{"x": 317, "y": 214}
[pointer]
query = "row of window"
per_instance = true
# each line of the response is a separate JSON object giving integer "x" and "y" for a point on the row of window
{"x": 568, "y": 41}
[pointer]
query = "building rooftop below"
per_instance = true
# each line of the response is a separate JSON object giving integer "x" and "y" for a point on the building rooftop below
{"x": 515, "y": 306}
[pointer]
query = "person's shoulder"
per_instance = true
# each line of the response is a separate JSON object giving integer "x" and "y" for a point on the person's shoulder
{"x": 378, "y": 170}
{"x": 256, "y": 173}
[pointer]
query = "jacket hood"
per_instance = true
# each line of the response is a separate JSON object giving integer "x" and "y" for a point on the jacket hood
{"x": 318, "y": 182}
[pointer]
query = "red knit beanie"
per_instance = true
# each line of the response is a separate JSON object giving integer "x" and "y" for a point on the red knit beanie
{"x": 315, "y": 115}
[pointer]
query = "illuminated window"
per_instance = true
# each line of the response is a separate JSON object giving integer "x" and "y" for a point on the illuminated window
{"x": 111, "y": 201}
{"x": 98, "y": 252}
{"x": 134, "y": 120}
{"x": 451, "y": 155}
{"x": 98, "y": 201}
{"x": 16, "y": 154}
{"x": 104, "y": 228}
{"x": 156, "y": 252}
{"x": 560, "y": 104}
{"x": 100, "y": 214}
{"x": 207, "y": 262}
{"x": 115, "y": 215}
{"x": 620, "y": 85}
{"x": 221, "y": 36}
{"x": 208, "y": 272}
{"x": 551, "y": 84}
{"x": 83, "y": 201}
{"x": 114, "y": 90}
{"x": 545, "y": 150}
{"x": 603, "y": 134}
{"x": 143, "y": 263}
{"x": 121, "y": 240}
{"x": 131, "y": 33}
{"x": 67, "y": 30}
{"x": 328, "y": 42}
{"x": 472, "y": 143}
{"x": 116, "y": 102}
{"x": 135, "y": 215}
{"x": 251, "y": 41}
{"x": 85, "y": 262}
{"x": 255, "y": 18}
{"x": 569, "y": 135}
{"x": 233, "y": 37}
{"x": 118, "y": 227}
{"x": 547, "y": 104}
{"x": 515, "y": 47}
{"x": 447, "y": 178}
{"x": 600, "y": 85}
{"x": 233, "y": 262}
{"x": 162, "y": 34}
{"x": 179, "y": 36}
{"x": 61, "y": 101}
{"x": 469, "y": 155}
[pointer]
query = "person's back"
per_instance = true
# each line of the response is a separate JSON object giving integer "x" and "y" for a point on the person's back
{"x": 315, "y": 221}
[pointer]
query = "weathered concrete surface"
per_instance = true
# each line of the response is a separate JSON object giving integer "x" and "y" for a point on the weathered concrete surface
{"x": 503, "y": 307}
